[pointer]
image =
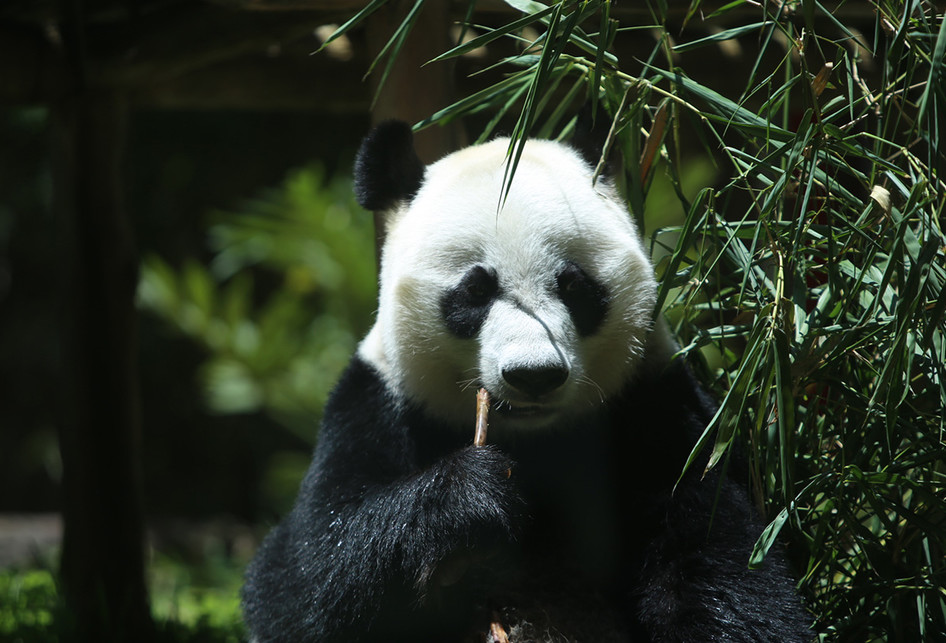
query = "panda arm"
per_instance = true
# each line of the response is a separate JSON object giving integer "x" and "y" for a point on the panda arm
{"x": 694, "y": 582}
{"x": 369, "y": 526}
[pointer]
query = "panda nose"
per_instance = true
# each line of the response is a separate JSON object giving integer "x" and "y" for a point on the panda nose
{"x": 536, "y": 381}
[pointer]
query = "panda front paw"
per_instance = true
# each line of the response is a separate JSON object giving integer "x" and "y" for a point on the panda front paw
{"x": 482, "y": 491}
{"x": 467, "y": 500}
{"x": 471, "y": 510}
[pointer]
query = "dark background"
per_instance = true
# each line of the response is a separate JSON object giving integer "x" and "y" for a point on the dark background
{"x": 181, "y": 165}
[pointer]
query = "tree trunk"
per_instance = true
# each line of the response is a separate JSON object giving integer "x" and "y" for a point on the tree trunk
{"x": 102, "y": 565}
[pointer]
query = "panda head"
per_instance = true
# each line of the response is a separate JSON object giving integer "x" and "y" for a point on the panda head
{"x": 545, "y": 300}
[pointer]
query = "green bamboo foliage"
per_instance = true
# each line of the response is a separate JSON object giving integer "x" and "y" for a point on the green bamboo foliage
{"x": 807, "y": 282}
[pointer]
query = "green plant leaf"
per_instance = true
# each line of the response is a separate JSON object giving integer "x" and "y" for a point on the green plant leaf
{"x": 767, "y": 539}
{"x": 494, "y": 34}
{"x": 727, "y": 34}
{"x": 354, "y": 21}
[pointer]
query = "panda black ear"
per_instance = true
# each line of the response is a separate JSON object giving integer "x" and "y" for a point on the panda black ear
{"x": 387, "y": 169}
{"x": 591, "y": 133}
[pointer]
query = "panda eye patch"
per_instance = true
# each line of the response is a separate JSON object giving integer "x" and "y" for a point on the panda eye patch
{"x": 586, "y": 299}
{"x": 465, "y": 306}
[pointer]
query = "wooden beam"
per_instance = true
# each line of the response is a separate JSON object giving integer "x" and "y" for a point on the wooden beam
{"x": 147, "y": 51}
{"x": 126, "y": 55}
{"x": 274, "y": 81}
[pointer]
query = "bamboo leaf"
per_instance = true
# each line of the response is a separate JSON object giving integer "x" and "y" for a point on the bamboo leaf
{"x": 354, "y": 21}
{"x": 493, "y": 35}
{"x": 734, "y": 401}
{"x": 483, "y": 99}
{"x": 853, "y": 36}
{"x": 603, "y": 41}
{"x": 526, "y": 6}
{"x": 934, "y": 79}
{"x": 730, "y": 111}
{"x": 393, "y": 46}
{"x": 727, "y": 34}
{"x": 565, "y": 105}
{"x": 767, "y": 539}
{"x": 726, "y": 8}
{"x": 501, "y": 111}
{"x": 785, "y": 407}
{"x": 695, "y": 219}
{"x": 654, "y": 140}
{"x": 554, "y": 44}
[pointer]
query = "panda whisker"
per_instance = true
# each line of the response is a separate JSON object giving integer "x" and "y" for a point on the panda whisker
{"x": 502, "y": 403}
{"x": 465, "y": 385}
{"x": 584, "y": 379}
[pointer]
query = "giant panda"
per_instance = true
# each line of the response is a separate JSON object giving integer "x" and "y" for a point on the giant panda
{"x": 570, "y": 523}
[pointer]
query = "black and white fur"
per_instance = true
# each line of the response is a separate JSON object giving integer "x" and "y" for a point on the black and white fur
{"x": 566, "y": 527}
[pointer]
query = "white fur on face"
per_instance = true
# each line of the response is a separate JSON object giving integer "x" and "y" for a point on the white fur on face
{"x": 552, "y": 215}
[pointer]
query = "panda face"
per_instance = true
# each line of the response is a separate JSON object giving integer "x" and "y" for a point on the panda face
{"x": 546, "y": 302}
{"x": 527, "y": 352}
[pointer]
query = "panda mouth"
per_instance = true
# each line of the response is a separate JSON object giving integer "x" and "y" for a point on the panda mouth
{"x": 523, "y": 411}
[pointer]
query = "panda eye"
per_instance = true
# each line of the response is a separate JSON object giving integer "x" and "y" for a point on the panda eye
{"x": 465, "y": 306}
{"x": 572, "y": 280}
{"x": 479, "y": 285}
{"x": 586, "y": 299}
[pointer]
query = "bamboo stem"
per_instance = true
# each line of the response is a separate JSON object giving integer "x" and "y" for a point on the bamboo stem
{"x": 482, "y": 411}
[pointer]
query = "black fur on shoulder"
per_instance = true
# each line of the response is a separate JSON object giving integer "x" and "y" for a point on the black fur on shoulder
{"x": 387, "y": 169}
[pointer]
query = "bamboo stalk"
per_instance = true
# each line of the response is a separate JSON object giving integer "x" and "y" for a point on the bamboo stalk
{"x": 482, "y": 412}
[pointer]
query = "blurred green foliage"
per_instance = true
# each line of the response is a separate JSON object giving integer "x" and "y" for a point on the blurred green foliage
{"x": 197, "y": 600}
{"x": 192, "y": 602}
{"x": 279, "y": 308}
{"x": 27, "y": 605}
